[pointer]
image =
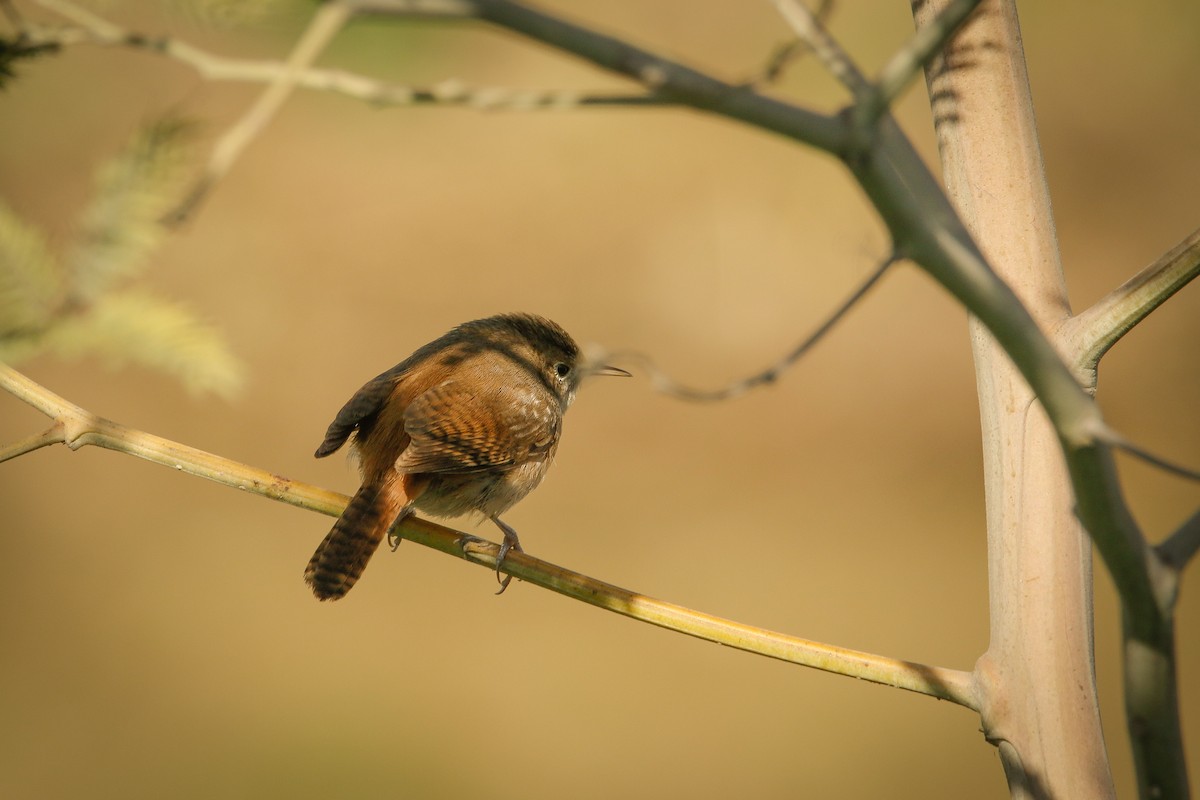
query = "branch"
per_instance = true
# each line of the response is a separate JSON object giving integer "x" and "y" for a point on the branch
{"x": 926, "y": 229}
{"x": 52, "y": 435}
{"x": 1179, "y": 548}
{"x": 75, "y": 427}
{"x": 326, "y": 23}
{"x": 787, "y": 54}
{"x": 807, "y": 25}
{"x": 298, "y": 72}
{"x": 910, "y": 59}
{"x": 79, "y": 428}
{"x": 665, "y": 384}
{"x": 923, "y": 224}
{"x": 1121, "y": 443}
{"x": 874, "y": 100}
{"x": 90, "y": 29}
{"x": 1091, "y": 333}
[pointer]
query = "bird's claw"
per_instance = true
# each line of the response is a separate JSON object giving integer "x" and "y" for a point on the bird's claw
{"x": 511, "y": 542}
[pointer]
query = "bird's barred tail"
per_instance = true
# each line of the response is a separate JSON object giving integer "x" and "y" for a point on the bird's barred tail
{"x": 341, "y": 558}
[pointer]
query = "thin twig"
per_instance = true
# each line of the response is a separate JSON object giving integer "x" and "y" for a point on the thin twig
{"x": 52, "y": 435}
{"x": 1179, "y": 548}
{"x": 326, "y": 23}
{"x": 78, "y": 427}
{"x": 788, "y": 54}
{"x": 906, "y": 62}
{"x": 1121, "y": 443}
{"x": 81, "y": 428}
{"x": 450, "y": 92}
{"x": 1091, "y": 333}
{"x": 667, "y": 385}
{"x": 808, "y": 27}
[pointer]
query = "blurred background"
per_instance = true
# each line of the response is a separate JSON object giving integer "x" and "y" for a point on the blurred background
{"x": 157, "y": 636}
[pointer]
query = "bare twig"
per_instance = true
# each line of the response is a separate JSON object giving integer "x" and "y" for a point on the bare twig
{"x": 298, "y": 72}
{"x": 1091, "y": 333}
{"x": 76, "y": 428}
{"x": 667, "y": 385}
{"x": 1179, "y": 548}
{"x": 1121, "y": 443}
{"x": 326, "y": 23}
{"x": 787, "y": 54}
{"x": 807, "y": 25}
{"x": 79, "y": 428}
{"x": 52, "y": 435}
{"x": 90, "y": 29}
{"x": 909, "y": 60}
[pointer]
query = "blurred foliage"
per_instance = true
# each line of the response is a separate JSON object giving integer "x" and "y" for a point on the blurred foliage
{"x": 120, "y": 228}
{"x": 14, "y": 50}
{"x": 80, "y": 303}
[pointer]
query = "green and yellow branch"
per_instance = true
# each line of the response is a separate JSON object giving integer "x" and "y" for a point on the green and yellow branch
{"x": 76, "y": 427}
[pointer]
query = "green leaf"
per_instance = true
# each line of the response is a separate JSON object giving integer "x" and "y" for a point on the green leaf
{"x": 30, "y": 284}
{"x": 137, "y": 327}
{"x": 121, "y": 226}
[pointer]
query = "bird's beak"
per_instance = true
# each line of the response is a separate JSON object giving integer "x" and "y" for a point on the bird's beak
{"x": 606, "y": 370}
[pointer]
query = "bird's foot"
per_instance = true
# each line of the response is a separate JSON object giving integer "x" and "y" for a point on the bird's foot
{"x": 511, "y": 542}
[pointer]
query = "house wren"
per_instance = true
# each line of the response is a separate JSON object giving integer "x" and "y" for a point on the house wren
{"x": 469, "y": 422}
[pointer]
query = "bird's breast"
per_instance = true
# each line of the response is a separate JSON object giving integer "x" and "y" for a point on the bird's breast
{"x": 489, "y": 492}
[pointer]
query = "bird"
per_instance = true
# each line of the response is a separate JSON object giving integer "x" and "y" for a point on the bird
{"x": 469, "y": 422}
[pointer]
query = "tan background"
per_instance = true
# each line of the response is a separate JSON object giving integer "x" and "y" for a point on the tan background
{"x": 156, "y": 637}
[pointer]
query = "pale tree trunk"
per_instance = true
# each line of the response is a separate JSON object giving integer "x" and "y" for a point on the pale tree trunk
{"x": 1037, "y": 680}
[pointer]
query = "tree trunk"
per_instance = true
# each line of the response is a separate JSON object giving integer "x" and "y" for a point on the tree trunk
{"x": 1037, "y": 679}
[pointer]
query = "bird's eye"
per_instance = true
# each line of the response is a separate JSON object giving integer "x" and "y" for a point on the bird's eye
{"x": 562, "y": 370}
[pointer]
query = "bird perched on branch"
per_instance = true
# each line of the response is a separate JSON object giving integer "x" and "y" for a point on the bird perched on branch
{"x": 469, "y": 422}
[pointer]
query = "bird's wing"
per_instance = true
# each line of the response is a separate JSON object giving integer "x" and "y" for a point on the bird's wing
{"x": 360, "y": 409}
{"x": 459, "y": 428}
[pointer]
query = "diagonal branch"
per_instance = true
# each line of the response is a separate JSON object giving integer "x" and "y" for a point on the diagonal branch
{"x": 326, "y": 23}
{"x": 1179, "y": 548}
{"x": 76, "y": 427}
{"x": 1091, "y": 333}
{"x": 52, "y": 435}
{"x": 925, "y": 229}
{"x": 909, "y": 60}
{"x": 665, "y": 384}
{"x": 665, "y": 77}
{"x": 80, "y": 428}
{"x": 807, "y": 25}
{"x": 785, "y": 55}
{"x": 1121, "y": 443}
